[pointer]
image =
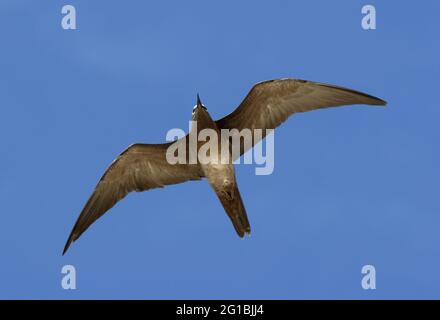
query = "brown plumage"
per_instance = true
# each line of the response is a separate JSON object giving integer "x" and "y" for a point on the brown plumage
{"x": 271, "y": 102}
{"x": 144, "y": 166}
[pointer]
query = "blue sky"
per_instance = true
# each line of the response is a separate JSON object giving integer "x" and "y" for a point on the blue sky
{"x": 351, "y": 186}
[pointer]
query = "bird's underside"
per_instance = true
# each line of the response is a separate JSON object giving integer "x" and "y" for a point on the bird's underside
{"x": 144, "y": 166}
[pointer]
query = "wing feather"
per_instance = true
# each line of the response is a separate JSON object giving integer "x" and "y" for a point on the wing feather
{"x": 140, "y": 167}
{"x": 270, "y": 103}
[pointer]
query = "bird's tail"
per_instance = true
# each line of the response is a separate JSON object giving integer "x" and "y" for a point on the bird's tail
{"x": 234, "y": 207}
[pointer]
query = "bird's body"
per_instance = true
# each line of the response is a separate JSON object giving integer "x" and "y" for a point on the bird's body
{"x": 221, "y": 174}
{"x": 146, "y": 166}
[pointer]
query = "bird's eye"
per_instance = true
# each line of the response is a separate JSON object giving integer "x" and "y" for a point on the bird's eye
{"x": 195, "y": 107}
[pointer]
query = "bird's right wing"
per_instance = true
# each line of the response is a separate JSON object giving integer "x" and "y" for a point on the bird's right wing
{"x": 270, "y": 103}
{"x": 140, "y": 167}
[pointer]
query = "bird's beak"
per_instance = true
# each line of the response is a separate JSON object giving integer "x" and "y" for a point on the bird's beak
{"x": 199, "y": 103}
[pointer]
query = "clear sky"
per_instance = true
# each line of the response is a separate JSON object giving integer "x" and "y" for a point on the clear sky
{"x": 352, "y": 186}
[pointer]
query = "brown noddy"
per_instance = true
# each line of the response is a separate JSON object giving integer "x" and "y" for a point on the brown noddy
{"x": 144, "y": 166}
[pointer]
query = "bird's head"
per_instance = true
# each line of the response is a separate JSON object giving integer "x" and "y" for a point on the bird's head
{"x": 199, "y": 109}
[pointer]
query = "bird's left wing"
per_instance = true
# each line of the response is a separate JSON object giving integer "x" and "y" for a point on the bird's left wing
{"x": 270, "y": 103}
{"x": 140, "y": 167}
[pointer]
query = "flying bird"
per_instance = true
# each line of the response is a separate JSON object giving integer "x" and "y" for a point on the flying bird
{"x": 268, "y": 104}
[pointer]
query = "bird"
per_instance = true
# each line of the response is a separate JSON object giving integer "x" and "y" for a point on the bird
{"x": 268, "y": 104}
